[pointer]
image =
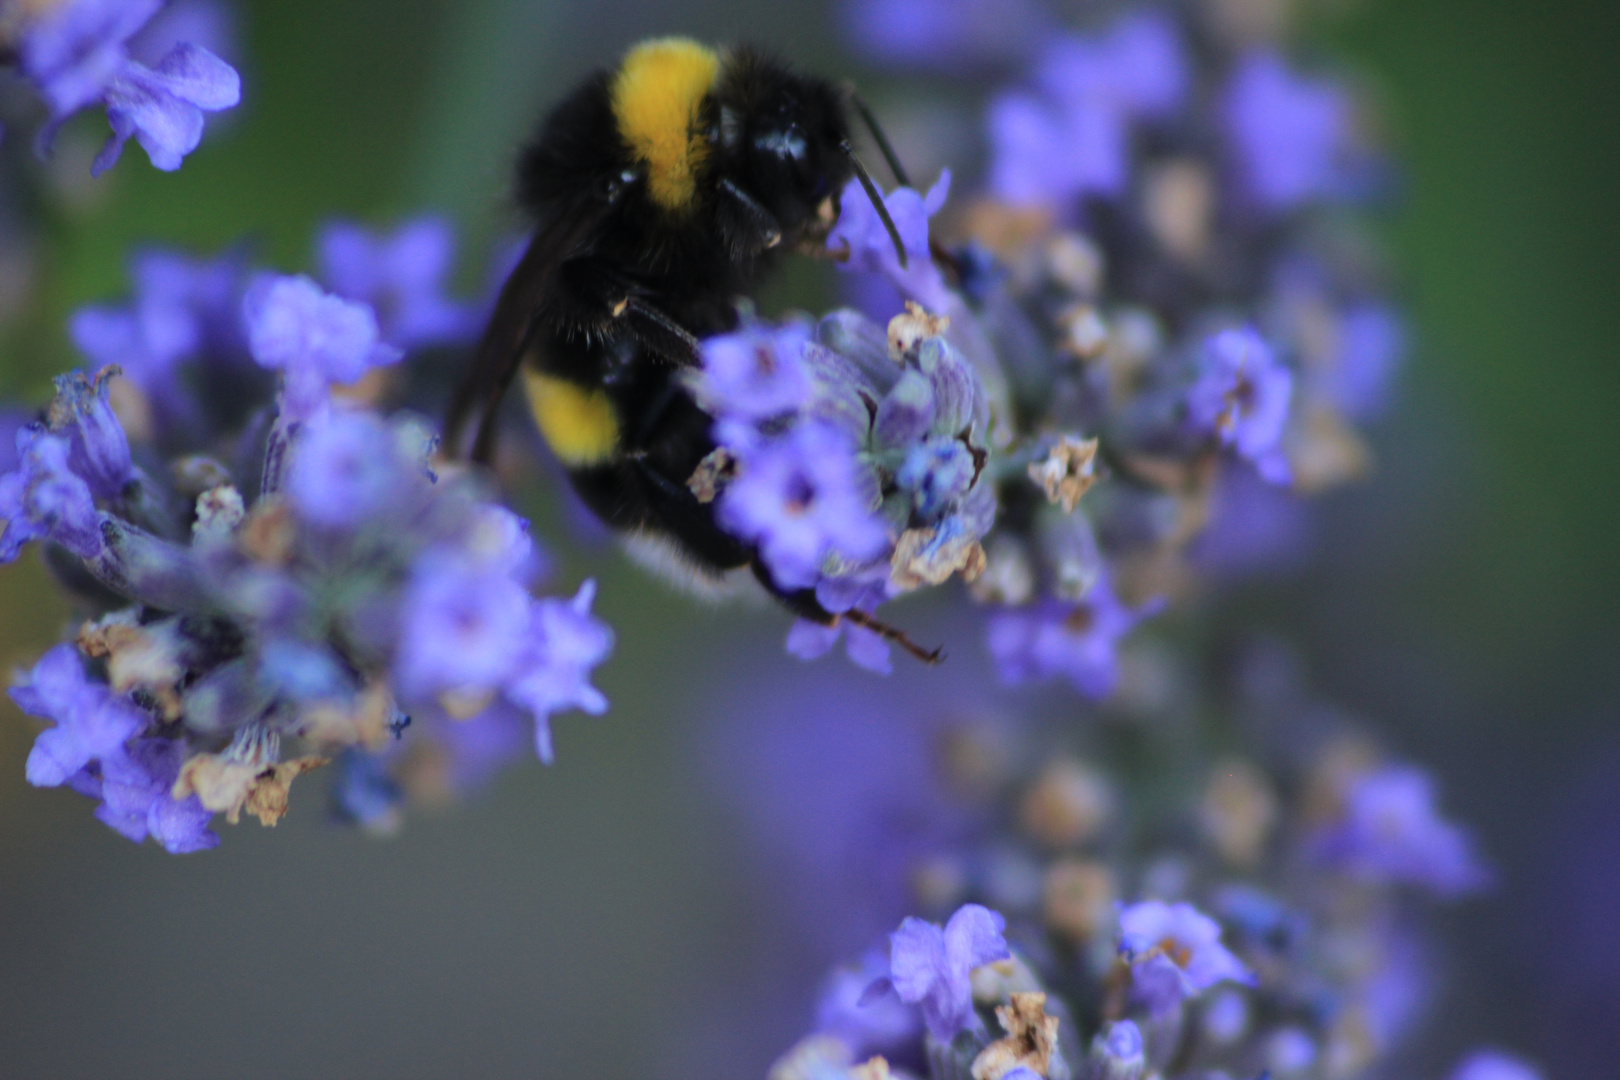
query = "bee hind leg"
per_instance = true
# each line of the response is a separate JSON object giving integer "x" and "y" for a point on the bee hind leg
{"x": 803, "y": 603}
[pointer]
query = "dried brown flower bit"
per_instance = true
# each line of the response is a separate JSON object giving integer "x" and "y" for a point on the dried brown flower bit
{"x": 361, "y": 721}
{"x": 911, "y": 329}
{"x": 877, "y": 1068}
{"x": 1069, "y": 803}
{"x": 1029, "y": 1044}
{"x": 1077, "y": 899}
{"x": 268, "y": 533}
{"x": 921, "y": 558}
{"x": 1067, "y": 472}
{"x": 145, "y": 658}
{"x": 713, "y": 473}
{"x": 1239, "y": 811}
{"x": 228, "y": 787}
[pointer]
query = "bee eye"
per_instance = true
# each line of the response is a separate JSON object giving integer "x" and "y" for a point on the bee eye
{"x": 785, "y": 142}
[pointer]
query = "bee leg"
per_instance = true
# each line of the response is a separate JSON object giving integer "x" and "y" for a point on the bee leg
{"x": 662, "y": 334}
{"x": 592, "y": 302}
{"x": 803, "y": 603}
{"x": 748, "y": 228}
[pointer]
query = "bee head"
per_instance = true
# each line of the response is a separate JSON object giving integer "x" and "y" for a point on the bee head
{"x": 781, "y": 135}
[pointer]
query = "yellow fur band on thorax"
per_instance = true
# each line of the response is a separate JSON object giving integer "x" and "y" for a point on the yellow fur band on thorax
{"x": 578, "y": 423}
{"x": 656, "y": 95}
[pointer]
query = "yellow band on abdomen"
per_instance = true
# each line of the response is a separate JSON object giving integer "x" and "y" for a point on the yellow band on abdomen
{"x": 578, "y": 423}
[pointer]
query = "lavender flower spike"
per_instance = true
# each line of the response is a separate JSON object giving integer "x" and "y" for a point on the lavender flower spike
{"x": 930, "y": 966}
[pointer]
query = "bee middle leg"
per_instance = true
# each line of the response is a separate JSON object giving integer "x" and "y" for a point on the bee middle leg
{"x": 592, "y": 302}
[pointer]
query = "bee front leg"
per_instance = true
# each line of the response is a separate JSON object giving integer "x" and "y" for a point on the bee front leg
{"x": 748, "y": 228}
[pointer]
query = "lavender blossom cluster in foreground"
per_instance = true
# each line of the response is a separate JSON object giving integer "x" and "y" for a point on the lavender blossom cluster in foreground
{"x": 76, "y": 53}
{"x": 1126, "y": 364}
{"x": 1126, "y": 843}
{"x": 271, "y": 571}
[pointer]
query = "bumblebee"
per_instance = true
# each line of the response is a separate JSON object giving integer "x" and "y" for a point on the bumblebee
{"x": 662, "y": 190}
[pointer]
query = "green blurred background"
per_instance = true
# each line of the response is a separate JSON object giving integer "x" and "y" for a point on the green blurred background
{"x": 578, "y": 920}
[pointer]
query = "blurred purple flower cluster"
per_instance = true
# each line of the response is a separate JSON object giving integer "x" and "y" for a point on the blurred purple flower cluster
{"x": 272, "y": 572}
{"x": 1166, "y": 293}
{"x": 1125, "y": 905}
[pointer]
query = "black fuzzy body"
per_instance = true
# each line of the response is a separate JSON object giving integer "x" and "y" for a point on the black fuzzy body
{"x": 615, "y": 289}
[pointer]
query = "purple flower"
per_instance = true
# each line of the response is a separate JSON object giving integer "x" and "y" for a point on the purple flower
{"x": 1175, "y": 953}
{"x": 72, "y": 51}
{"x": 135, "y": 785}
{"x": 1289, "y": 132}
{"x": 1254, "y": 527}
{"x": 882, "y": 1026}
{"x": 209, "y": 23}
{"x": 865, "y": 648}
{"x": 1079, "y": 641}
{"x": 1371, "y": 342}
{"x": 313, "y": 338}
{"x": 565, "y": 642}
{"x": 99, "y": 449}
{"x": 756, "y": 373}
{"x": 799, "y": 497}
{"x": 1071, "y": 135}
{"x": 1391, "y": 832}
{"x": 1136, "y": 69}
{"x": 90, "y": 722}
{"x": 75, "y": 54}
{"x": 1241, "y": 397}
{"x": 163, "y": 106}
{"x": 931, "y": 967}
{"x": 183, "y": 309}
{"x": 943, "y": 34}
{"x": 364, "y": 793}
{"x": 345, "y": 471}
{"x": 861, "y": 234}
{"x": 402, "y": 277}
{"x": 1494, "y": 1065}
{"x": 465, "y": 627}
{"x": 44, "y": 499}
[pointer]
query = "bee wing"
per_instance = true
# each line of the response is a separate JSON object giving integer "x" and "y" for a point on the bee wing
{"x": 500, "y": 352}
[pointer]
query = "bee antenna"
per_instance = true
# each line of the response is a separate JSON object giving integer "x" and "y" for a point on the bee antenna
{"x": 881, "y": 139}
{"x": 896, "y": 635}
{"x": 877, "y": 201}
